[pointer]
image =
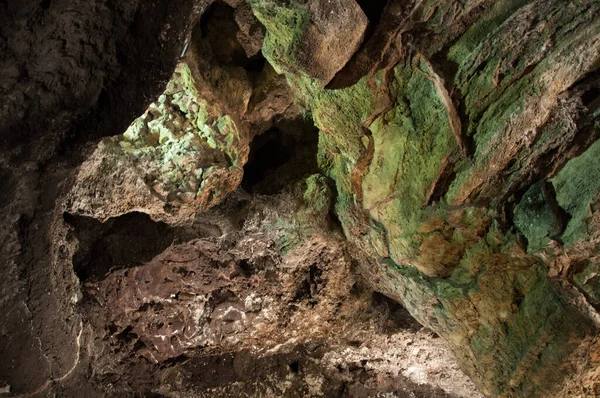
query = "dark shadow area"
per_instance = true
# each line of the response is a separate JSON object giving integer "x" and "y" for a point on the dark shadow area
{"x": 396, "y": 317}
{"x": 218, "y": 28}
{"x": 281, "y": 156}
{"x": 373, "y": 9}
{"x": 294, "y": 367}
{"x": 311, "y": 285}
{"x": 269, "y": 151}
{"x": 122, "y": 242}
{"x": 591, "y": 96}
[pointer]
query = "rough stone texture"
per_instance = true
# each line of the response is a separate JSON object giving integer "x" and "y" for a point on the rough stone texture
{"x": 75, "y": 63}
{"x": 432, "y": 148}
{"x": 181, "y": 156}
{"x": 454, "y": 171}
{"x": 264, "y": 295}
{"x": 329, "y": 41}
{"x": 71, "y": 71}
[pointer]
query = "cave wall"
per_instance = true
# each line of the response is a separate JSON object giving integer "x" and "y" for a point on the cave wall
{"x": 71, "y": 72}
{"x": 459, "y": 139}
{"x": 458, "y": 155}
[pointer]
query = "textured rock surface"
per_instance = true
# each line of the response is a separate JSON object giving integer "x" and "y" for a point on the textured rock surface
{"x": 431, "y": 151}
{"x": 71, "y": 71}
{"x": 180, "y": 153}
{"x": 314, "y": 175}
{"x": 258, "y": 301}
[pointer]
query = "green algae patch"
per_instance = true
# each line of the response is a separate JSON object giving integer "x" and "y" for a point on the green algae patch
{"x": 451, "y": 266}
{"x": 473, "y": 38}
{"x": 186, "y": 150}
{"x": 498, "y": 307}
{"x": 492, "y": 56}
{"x": 536, "y": 218}
{"x": 510, "y": 81}
{"x": 285, "y": 25}
{"x": 534, "y": 335}
{"x": 503, "y": 313}
{"x": 339, "y": 114}
{"x": 577, "y": 186}
{"x": 317, "y": 195}
{"x": 410, "y": 143}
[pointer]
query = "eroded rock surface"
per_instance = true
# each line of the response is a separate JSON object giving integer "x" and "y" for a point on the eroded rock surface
{"x": 259, "y": 301}
{"x": 329, "y": 198}
{"x": 180, "y": 157}
{"x": 434, "y": 143}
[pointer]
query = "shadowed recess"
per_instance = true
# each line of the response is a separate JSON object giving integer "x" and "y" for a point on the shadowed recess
{"x": 218, "y": 27}
{"x": 281, "y": 156}
{"x": 121, "y": 242}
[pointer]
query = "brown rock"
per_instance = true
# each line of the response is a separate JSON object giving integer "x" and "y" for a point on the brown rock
{"x": 336, "y": 30}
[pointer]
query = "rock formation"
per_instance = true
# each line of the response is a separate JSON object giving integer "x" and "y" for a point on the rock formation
{"x": 300, "y": 198}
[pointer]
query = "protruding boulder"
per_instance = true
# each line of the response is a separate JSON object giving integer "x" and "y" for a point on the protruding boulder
{"x": 334, "y": 33}
{"x": 180, "y": 157}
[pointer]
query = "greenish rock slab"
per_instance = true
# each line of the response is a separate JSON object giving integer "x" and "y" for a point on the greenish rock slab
{"x": 285, "y": 24}
{"x": 510, "y": 80}
{"x": 536, "y": 217}
{"x": 417, "y": 151}
{"x": 577, "y": 188}
{"x": 589, "y": 281}
{"x": 411, "y": 142}
{"x": 189, "y": 152}
{"x": 317, "y": 196}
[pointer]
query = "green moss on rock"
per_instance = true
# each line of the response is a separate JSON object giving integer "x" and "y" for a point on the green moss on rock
{"x": 186, "y": 150}
{"x": 536, "y": 218}
{"x": 577, "y": 186}
{"x": 317, "y": 196}
{"x": 509, "y": 81}
{"x": 285, "y": 24}
{"x": 386, "y": 143}
{"x": 411, "y": 142}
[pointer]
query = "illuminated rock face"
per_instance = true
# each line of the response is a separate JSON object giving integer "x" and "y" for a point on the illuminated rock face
{"x": 451, "y": 157}
{"x": 180, "y": 157}
{"x": 314, "y": 175}
{"x": 182, "y": 145}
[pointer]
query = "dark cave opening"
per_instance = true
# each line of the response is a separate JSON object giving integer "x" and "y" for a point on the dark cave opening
{"x": 396, "y": 316}
{"x": 281, "y": 156}
{"x": 121, "y": 242}
{"x": 269, "y": 151}
{"x": 218, "y": 27}
{"x": 592, "y": 95}
{"x": 373, "y": 9}
{"x": 294, "y": 366}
